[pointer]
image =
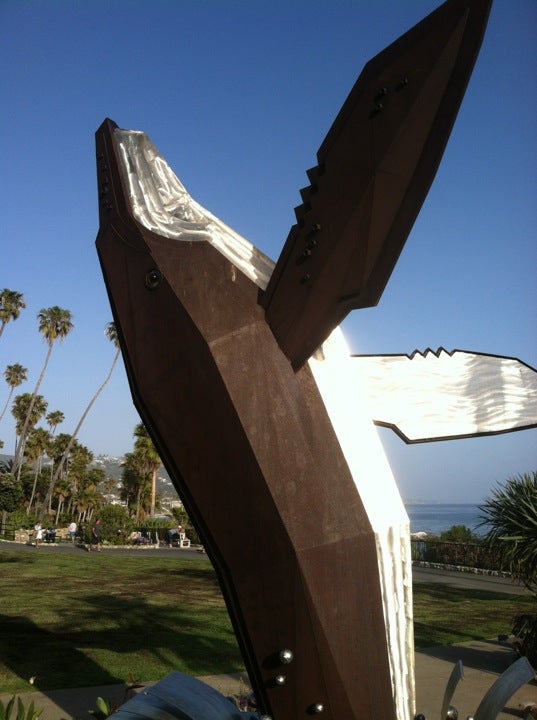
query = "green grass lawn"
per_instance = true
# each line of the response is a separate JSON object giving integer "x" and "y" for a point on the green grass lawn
{"x": 75, "y": 621}
{"x": 445, "y": 614}
{"x": 82, "y": 620}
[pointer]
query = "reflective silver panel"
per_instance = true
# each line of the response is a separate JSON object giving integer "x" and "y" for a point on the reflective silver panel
{"x": 520, "y": 673}
{"x": 161, "y": 203}
{"x": 457, "y": 674}
{"x": 443, "y": 395}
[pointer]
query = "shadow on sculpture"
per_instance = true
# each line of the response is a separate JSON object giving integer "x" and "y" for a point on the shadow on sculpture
{"x": 246, "y": 386}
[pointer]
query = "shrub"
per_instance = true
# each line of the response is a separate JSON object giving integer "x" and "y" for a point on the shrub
{"x": 458, "y": 533}
{"x": 21, "y": 521}
{"x": 115, "y": 523}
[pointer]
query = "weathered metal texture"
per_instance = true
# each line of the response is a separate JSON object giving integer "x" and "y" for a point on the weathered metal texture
{"x": 374, "y": 170}
{"x": 251, "y": 450}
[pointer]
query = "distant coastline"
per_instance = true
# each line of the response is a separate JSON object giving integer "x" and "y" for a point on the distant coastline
{"x": 435, "y": 518}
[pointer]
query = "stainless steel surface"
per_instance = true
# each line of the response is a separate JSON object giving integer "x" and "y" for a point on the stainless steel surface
{"x": 520, "y": 673}
{"x": 443, "y": 395}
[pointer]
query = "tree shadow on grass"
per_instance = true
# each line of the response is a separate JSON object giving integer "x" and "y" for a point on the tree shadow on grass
{"x": 131, "y": 634}
{"x": 434, "y": 636}
{"x": 41, "y": 656}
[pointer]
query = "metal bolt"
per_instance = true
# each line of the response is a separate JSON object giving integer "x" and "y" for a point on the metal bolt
{"x": 286, "y": 656}
{"x": 318, "y": 708}
{"x": 153, "y": 279}
{"x": 280, "y": 679}
{"x": 315, "y": 228}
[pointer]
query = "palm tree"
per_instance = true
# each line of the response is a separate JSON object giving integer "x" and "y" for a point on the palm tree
{"x": 11, "y": 304}
{"x": 510, "y": 519}
{"x": 21, "y": 412}
{"x": 37, "y": 444}
{"x": 54, "y": 324}
{"x": 54, "y": 418}
{"x": 135, "y": 484}
{"x": 148, "y": 458}
{"x": 15, "y": 375}
{"x": 111, "y": 334}
{"x": 88, "y": 497}
{"x": 62, "y": 490}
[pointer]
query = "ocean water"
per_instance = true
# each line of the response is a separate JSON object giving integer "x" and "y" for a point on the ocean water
{"x": 436, "y": 518}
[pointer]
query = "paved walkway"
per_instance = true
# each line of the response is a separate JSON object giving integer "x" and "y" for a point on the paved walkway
{"x": 483, "y": 662}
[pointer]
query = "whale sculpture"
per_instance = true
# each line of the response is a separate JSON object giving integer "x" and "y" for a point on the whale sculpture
{"x": 247, "y": 388}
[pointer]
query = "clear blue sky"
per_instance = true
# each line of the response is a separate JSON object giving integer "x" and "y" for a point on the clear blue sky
{"x": 237, "y": 96}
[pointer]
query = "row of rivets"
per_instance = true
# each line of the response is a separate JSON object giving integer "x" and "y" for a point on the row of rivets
{"x": 286, "y": 656}
{"x": 378, "y": 107}
{"x": 104, "y": 199}
{"x": 311, "y": 244}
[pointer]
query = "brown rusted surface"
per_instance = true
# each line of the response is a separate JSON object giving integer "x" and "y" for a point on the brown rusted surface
{"x": 375, "y": 168}
{"x": 252, "y": 452}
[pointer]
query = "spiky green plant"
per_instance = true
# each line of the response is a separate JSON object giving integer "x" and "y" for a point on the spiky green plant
{"x": 21, "y": 711}
{"x": 510, "y": 516}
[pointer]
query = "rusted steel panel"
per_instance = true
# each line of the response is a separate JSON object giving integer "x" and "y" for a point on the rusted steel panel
{"x": 245, "y": 437}
{"x": 374, "y": 171}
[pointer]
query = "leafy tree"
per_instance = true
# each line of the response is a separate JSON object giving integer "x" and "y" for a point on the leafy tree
{"x": 14, "y": 375}
{"x": 54, "y": 324}
{"x": 11, "y": 304}
{"x": 10, "y": 495}
{"x": 458, "y": 533}
{"x": 115, "y": 523}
